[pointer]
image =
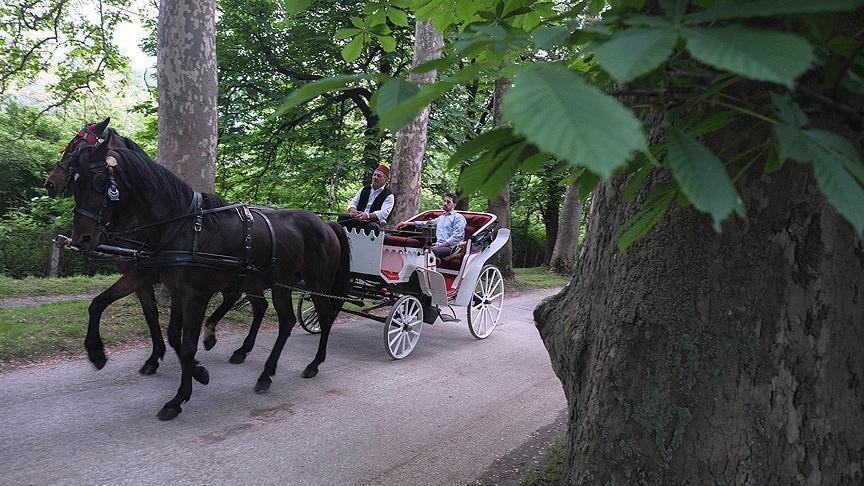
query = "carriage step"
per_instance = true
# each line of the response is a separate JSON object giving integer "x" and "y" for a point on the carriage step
{"x": 448, "y": 318}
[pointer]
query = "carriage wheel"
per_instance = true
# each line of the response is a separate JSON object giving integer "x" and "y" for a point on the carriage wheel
{"x": 402, "y": 326}
{"x": 487, "y": 302}
{"x": 307, "y": 315}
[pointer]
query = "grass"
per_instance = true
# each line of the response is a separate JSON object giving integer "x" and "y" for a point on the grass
{"x": 539, "y": 278}
{"x": 12, "y": 287}
{"x": 31, "y": 332}
{"x": 551, "y": 472}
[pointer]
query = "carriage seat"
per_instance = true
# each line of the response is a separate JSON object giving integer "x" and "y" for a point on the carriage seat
{"x": 473, "y": 222}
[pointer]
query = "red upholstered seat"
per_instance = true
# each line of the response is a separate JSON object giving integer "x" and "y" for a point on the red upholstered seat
{"x": 402, "y": 241}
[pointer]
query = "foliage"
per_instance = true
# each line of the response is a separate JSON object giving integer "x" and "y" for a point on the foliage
{"x": 681, "y": 62}
{"x": 539, "y": 277}
{"x": 551, "y": 472}
{"x": 70, "y": 41}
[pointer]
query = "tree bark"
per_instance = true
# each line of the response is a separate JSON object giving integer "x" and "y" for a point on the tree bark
{"x": 566, "y": 250}
{"x": 500, "y": 206}
{"x": 187, "y": 84}
{"x": 411, "y": 139}
{"x": 702, "y": 358}
{"x": 551, "y": 212}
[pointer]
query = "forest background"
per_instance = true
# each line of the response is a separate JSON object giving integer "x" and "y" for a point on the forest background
{"x": 315, "y": 158}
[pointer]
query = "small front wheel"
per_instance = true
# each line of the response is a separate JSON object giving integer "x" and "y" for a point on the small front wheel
{"x": 402, "y": 326}
{"x": 486, "y": 303}
{"x": 307, "y": 316}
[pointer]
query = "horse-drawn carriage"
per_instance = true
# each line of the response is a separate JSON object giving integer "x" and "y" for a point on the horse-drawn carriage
{"x": 400, "y": 272}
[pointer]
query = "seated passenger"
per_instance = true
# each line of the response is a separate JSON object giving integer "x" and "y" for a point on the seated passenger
{"x": 449, "y": 228}
{"x": 372, "y": 204}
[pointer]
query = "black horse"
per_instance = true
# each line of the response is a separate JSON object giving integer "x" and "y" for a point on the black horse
{"x": 205, "y": 245}
{"x": 136, "y": 279}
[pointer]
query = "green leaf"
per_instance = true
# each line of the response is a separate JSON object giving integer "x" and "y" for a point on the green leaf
{"x": 791, "y": 143}
{"x": 346, "y": 33}
{"x": 770, "y": 8}
{"x": 756, "y": 54}
{"x": 406, "y": 110}
{"x": 315, "y": 88}
{"x": 391, "y": 94}
{"x": 841, "y": 189}
{"x": 652, "y": 211}
{"x": 435, "y": 64}
{"x": 547, "y": 37}
{"x": 674, "y": 8}
{"x": 829, "y": 145}
{"x": 713, "y": 123}
{"x": 788, "y": 111}
{"x": 702, "y": 177}
{"x": 398, "y": 17}
{"x": 380, "y": 29}
{"x": 387, "y": 42}
{"x": 636, "y": 180}
{"x": 648, "y": 21}
{"x": 358, "y": 22}
{"x": 587, "y": 182}
{"x": 294, "y": 7}
{"x": 774, "y": 162}
{"x": 490, "y": 173}
{"x": 562, "y": 115}
{"x": 352, "y": 50}
{"x": 534, "y": 163}
{"x": 486, "y": 141}
{"x": 634, "y": 52}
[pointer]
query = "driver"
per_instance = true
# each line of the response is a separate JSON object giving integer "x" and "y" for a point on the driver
{"x": 371, "y": 205}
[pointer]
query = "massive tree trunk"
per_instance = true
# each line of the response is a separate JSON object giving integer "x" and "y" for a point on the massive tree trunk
{"x": 566, "y": 250}
{"x": 702, "y": 358}
{"x": 411, "y": 140}
{"x": 500, "y": 206}
{"x": 186, "y": 68}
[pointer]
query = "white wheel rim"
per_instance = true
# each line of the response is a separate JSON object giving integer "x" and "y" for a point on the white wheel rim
{"x": 309, "y": 317}
{"x": 487, "y": 302}
{"x": 403, "y": 327}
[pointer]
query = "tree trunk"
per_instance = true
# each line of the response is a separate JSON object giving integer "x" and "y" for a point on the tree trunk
{"x": 186, "y": 68}
{"x": 411, "y": 140}
{"x": 551, "y": 213}
{"x": 500, "y": 206}
{"x": 702, "y": 358}
{"x": 566, "y": 250}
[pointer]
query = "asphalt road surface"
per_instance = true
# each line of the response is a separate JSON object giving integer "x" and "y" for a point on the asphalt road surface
{"x": 441, "y": 416}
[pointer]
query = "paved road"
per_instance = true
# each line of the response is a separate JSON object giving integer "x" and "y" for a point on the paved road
{"x": 441, "y": 416}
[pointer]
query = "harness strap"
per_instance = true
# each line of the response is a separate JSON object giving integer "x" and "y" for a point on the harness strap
{"x": 195, "y": 207}
{"x": 272, "y": 236}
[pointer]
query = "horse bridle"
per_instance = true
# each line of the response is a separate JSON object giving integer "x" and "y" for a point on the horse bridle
{"x": 91, "y": 138}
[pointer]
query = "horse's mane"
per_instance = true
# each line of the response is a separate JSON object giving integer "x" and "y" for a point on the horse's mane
{"x": 127, "y": 141}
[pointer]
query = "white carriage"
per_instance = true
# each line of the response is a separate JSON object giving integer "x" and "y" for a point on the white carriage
{"x": 400, "y": 272}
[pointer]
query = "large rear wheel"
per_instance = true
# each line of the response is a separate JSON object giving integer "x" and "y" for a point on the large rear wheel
{"x": 402, "y": 327}
{"x": 307, "y": 316}
{"x": 486, "y": 303}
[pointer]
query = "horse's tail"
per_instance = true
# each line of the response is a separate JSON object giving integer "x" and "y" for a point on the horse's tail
{"x": 343, "y": 273}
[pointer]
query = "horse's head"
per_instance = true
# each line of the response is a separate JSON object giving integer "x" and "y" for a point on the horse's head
{"x": 92, "y": 134}
{"x": 95, "y": 184}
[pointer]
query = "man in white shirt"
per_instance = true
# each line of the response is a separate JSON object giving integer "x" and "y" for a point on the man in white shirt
{"x": 449, "y": 228}
{"x": 372, "y": 204}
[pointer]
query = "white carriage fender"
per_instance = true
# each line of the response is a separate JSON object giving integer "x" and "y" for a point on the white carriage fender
{"x": 432, "y": 284}
{"x": 472, "y": 273}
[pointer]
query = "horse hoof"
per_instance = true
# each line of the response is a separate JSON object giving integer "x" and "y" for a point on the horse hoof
{"x": 201, "y": 375}
{"x": 262, "y": 386}
{"x": 99, "y": 361}
{"x": 309, "y": 372}
{"x": 148, "y": 368}
{"x": 168, "y": 413}
{"x": 237, "y": 357}
{"x": 209, "y": 342}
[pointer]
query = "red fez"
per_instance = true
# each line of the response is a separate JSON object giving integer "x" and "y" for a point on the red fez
{"x": 383, "y": 169}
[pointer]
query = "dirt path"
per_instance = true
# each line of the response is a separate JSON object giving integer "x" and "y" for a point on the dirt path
{"x": 27, "y": 300}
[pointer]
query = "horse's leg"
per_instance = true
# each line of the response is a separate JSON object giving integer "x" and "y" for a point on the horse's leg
{"x": 209, "y": 331}
{"x": 259, "y": 307}
{"x": 151, "y": 314}
{"x": 127, "y": 284}
{"x": 285, "y": 311}
{"x": 326, "y": 316}
{"x": 194, "y": 306}
{"x": 175, "y": 333}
